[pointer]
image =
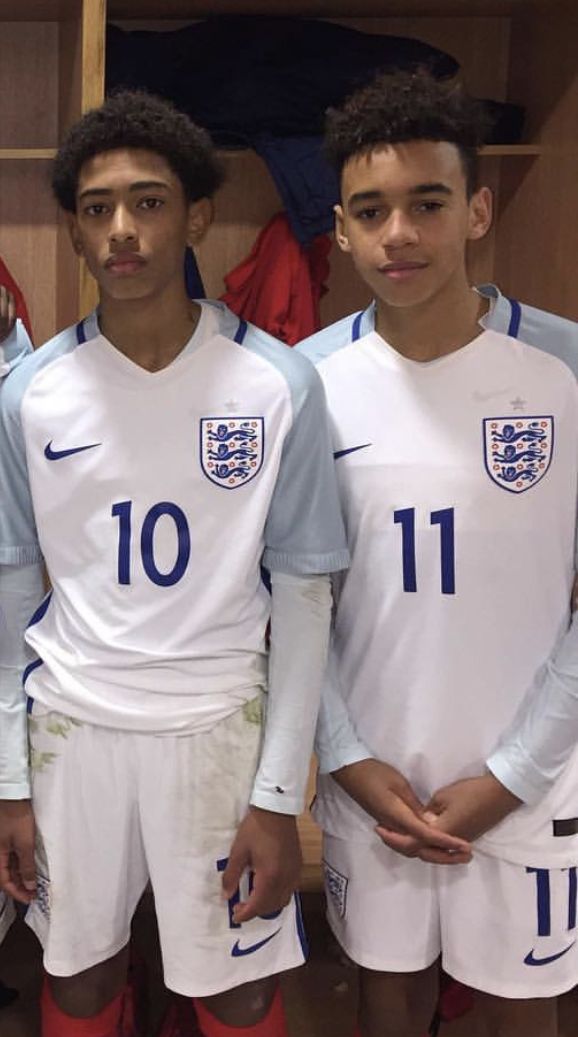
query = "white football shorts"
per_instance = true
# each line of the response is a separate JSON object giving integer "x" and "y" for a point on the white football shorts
{"x": 500, "y": 927}
{"x": 115, "y": 809}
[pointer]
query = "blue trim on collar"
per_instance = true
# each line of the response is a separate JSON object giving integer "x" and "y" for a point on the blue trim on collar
{"x": 356, "y": 326}
{"x": 241, "y": 332}
{"x": 515, "y": 318}
{"x": 80, "y": 333}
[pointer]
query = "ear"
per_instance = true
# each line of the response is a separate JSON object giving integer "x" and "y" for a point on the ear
{"x": 480, "y": 213}
{"x": 200, "y": 217}
{"x": 74, "y": 232}
{"x": 340, "y": 235}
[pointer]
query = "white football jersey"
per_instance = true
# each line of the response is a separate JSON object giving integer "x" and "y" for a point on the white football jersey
{"x": 547, "y": 331}
{"x": 458, "y": 480}
{"x": 153, "y": 499}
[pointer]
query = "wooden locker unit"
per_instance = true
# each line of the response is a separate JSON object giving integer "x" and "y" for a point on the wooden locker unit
{"x": 51, "y": 69}
{"x": 525, "y": 51}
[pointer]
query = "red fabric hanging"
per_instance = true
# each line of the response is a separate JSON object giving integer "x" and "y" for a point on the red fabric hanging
{"x": 21, "y": 311}
{"x": 279, "y": 285}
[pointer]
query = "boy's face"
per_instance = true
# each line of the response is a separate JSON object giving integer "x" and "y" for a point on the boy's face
{"x": 133, "y": 222}
{"x": 405, "y": 218}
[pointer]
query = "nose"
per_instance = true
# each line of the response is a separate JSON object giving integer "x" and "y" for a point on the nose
{"x": 122, "y": 226}
{"x": 399, "y": 230}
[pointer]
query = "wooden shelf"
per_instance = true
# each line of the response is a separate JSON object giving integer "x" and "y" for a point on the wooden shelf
{"x": 24, "y": 154}
{"x": 37, "y": 10}
{"x": 44, "y": 154}
{"x": 499, "y": 150}
{"x": 183, "y": 9}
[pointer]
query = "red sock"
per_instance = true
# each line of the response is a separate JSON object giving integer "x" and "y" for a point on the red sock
{"x": 273, "y": 1025}
{"x": 56, "y": 1023}
{"x": 455, "y": 999}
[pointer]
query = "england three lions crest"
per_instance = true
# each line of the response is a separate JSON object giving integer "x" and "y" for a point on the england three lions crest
{"x": 518, "y": 451}
{"x": 232, "y": 450}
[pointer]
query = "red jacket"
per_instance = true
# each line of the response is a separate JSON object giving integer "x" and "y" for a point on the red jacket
{"x": 8, "y": 281}
{"x": 279, "y": 285}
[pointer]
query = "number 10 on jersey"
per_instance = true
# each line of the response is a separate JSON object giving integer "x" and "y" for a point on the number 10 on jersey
{"x": 123, "y": 512}
{"x": 445, "y": 520}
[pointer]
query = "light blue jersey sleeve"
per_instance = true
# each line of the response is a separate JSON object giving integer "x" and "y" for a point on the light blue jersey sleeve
{"x": 336, "y": 742}
{"x": 14, "y": 348}
{"x": 555, "y": 335}
{"x": 533, "y": 753}
{"x": 21, "y": 582}
{"x": 18, "y": 539}
{"x": 304, "y": 532}
{"x": 21, "y": 589}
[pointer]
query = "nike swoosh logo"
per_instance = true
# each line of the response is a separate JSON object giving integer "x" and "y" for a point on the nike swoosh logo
{"x": 57, "y": 455}
{"x": 531, "y": 960}
{"x": 239, "y": 952}
{"x": 350, "y": 450}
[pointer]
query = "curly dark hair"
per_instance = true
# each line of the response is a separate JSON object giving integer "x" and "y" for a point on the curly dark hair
{"x": 404, "y": 106}
{"x": 135, "y": 119}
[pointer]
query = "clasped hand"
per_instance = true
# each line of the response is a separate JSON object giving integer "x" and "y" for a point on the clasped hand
{"x": 440, "y": 831}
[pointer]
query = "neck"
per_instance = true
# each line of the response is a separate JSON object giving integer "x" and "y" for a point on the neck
{"x": 435, "y": 328}
{"x": 150, "y": 332}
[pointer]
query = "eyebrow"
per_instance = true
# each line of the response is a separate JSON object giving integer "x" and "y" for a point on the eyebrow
{"x": 139, "y": 185}
{"x": 434, "y": 187}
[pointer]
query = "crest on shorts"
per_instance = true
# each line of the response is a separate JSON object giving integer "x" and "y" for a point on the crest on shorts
{"x": 232, "y": 450}
{"x": 518, "y": 451}
{"x": 336, "y": 887}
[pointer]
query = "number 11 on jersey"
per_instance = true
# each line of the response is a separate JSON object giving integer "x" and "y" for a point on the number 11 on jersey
{"x": 445, "y": 520}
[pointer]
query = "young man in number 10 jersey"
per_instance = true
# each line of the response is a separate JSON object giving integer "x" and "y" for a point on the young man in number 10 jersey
{"x": 154, "y": 456}
{"x": 451, "y": 697}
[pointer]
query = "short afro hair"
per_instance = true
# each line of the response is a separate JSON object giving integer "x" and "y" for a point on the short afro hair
{"x": 135, "y": 119}
{"x": 406, "y": 106}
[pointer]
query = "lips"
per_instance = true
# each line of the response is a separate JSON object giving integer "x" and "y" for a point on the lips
{"x": 401, "y": 269}
{"x": 125, "y": 263}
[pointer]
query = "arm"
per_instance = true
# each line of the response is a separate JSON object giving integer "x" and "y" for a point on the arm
{"x": 533, "y": 754}
{"x": 300, "y": 617}
{"x": 304, "y": 540}
{"x": 530, "y": 756}
{"x": 267, "y": 840}
{"x": 380, "y": 789}
{"x": 20, "y": 591}
{"x": 21, "y": 587}
{"x": 337, "y": 744}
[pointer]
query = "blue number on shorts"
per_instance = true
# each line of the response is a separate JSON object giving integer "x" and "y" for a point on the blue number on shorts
{"x": 445, "y": 520}
{"x": 123, "y": 511}
{"x": 221, "y": 865}
{"x": 543, "y": 899}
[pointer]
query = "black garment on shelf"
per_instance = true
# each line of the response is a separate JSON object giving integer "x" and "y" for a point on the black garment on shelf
{"x": 241, "y": 76}
{"x": 307, "y": 183}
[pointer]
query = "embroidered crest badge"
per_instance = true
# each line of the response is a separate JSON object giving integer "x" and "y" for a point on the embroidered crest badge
{"x": 336, "y": 886}
{"x": 518, "y": 451}
{"x": 232, "y": 450}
